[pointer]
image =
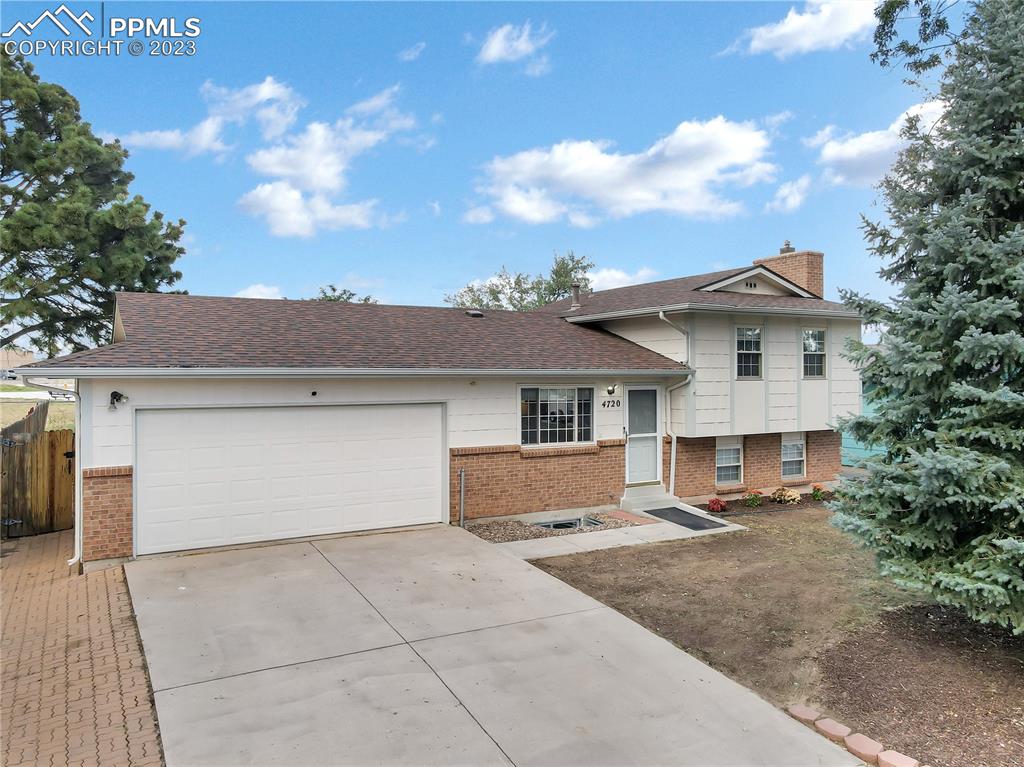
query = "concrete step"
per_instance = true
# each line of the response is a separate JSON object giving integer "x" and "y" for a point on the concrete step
{"x": 640, "y": 497}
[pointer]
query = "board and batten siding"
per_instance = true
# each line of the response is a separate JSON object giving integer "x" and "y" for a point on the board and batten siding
{"x": 717, "y": 404}
{"x": 479, "y": 412}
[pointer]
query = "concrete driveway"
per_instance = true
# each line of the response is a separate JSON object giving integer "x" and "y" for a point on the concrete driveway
{"x": 428, "y": 647}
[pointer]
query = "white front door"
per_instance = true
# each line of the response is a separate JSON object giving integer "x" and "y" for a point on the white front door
{"x": 218, "y": 476}
{"x": 643, "y": 437}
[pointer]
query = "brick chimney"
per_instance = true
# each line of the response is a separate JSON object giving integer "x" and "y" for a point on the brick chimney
{"x": 804, "y": 267}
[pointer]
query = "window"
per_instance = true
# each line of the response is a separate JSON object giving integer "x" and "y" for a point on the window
{"x": 748, "y": 352}
{"x": 814, "y": 354}
{"x": 556, "y": 415}
{"x": 793, "y": 455}
{"x": 729, "y": 460}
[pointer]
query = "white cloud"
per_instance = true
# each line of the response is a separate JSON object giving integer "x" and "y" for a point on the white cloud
{"x": 259, "y": 290}
{"x": 510, "y": 43}
{"x": 271, "y": 103}
{"x": 204, "y": 137}
{"x": 309, "y": 166}
{"x": 318, "y": 158}
{"x": 412, "y": 52}
{"x": 481, "y": 214}
{"x": 291, "y": 213}
{"x": 435, "y": 207}
{"x": 538, "y": 67}
{"x": 790, "y": 195}
{"x": 861, "y": 159}
{"x": 777, "y": 120}
{"x": 608, "y": 277}
{"x": 820, "y": 138}
{"x": 683, "y": 173}
{"x": 274, "y": 105}
{"x": 822, "y": 25}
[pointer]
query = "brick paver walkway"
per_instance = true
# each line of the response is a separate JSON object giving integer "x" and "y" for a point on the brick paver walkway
{"x": 73, "y": 687}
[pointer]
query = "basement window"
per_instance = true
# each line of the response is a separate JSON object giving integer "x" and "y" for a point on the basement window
{"x": 793, "y": 455}
{"x": 556, "y": 415}
{"x": 729, "y": 460}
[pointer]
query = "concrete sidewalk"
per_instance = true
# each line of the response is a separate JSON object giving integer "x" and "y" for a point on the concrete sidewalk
{"x": 428, "y": 647}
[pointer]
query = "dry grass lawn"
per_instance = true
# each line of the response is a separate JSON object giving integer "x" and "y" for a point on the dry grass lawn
{"x": 61, "y": 415}
{"x": 795, "y": 611}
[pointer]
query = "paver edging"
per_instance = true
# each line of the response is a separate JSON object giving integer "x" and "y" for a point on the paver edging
{"x": 861, "y": 746}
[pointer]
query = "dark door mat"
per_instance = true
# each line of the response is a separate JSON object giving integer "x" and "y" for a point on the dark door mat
{"x": 684, "y": 518}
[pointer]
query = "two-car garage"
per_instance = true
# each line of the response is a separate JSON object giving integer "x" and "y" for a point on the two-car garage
{"x": 218, "y": 476}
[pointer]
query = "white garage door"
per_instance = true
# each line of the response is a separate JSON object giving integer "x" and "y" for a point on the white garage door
{"x": 212, "y": 477}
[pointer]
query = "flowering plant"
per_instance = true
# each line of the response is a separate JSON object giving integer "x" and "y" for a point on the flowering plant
{"x": 717, "y": 504}
{"x": 752, "y": 499}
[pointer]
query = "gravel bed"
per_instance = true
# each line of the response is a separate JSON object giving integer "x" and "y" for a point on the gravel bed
{"x": 505, "y": 530}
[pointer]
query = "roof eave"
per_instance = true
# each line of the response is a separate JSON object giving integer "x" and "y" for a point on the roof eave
{"x": 297, "y": 372}
{"x": 725, "y": 308}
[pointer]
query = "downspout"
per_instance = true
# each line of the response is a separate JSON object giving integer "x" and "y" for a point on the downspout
{"x": 77, "y": 556}
{"x": 672, "y": 434}
{"x": 668, "y": 398}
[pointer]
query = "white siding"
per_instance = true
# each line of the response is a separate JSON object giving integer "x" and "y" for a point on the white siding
{"x": 651, "y": 333}
{"x": 484, "y": 412}
{"x": 717, "y": 404}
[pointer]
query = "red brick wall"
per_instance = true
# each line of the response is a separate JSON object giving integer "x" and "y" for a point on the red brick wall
{"x": 106, "y": 513}
{"x": 762, "y": 462}
{"x": 804, "y": 267}
{"x": 507, "y": 479}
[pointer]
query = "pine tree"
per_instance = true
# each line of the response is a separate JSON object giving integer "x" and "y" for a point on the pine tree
{"x": 943, "y": 507}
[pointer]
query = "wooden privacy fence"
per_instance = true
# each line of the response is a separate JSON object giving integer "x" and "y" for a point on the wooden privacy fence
{"x": 37, "y": 476}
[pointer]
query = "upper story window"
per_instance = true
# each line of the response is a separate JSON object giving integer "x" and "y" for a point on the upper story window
{"x": 814, "y": 353}
{"x": 748, "y": 352}
{"x": 556, "y": 415}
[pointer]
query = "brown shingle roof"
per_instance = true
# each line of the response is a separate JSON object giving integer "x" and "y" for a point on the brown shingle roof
{"x": 684, "y": 290}
{"x": 181, "y": 331}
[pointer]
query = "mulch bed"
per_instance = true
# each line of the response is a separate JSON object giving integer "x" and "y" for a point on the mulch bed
{"x": 506, "y": 530}
{"x": 737, "y": 506}
{"x": 967, "y": 683}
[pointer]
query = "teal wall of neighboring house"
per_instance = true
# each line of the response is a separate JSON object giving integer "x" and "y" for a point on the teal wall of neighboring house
{"x": 852, "y": 450}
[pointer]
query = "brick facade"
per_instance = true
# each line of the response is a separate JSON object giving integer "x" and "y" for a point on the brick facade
{"x": 762, "y": 463}
{"x": 804, "y": 267}
{"x": 106, "y": 513}
{"x": 508, "y": 479}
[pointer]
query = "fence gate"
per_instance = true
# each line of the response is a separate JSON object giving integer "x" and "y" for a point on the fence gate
{"x": 37, "y": 476}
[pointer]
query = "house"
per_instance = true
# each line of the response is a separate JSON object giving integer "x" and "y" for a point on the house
{"x": 13, "y": 356}
{"x": 214, "y": 421}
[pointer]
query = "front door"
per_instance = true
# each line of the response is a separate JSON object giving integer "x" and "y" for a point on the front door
{"x": 643, "y": 439}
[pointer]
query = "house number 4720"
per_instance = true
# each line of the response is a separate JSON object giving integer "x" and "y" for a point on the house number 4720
{"x": 609, "y": 403}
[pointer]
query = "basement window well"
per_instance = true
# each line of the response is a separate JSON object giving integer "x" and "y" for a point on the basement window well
{"x": 578, "y": 523}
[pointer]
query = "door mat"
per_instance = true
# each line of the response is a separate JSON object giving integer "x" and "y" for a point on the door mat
{"x": 684, "y": 518}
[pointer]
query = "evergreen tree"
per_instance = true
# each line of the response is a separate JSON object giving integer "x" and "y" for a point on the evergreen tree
{"x": 69, "y": 233}
{"x": 943, "y": 507}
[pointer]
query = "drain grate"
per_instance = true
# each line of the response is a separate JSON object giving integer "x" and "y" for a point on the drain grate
{"x": 568, "y": 524}
{"x": 684, "y": 518}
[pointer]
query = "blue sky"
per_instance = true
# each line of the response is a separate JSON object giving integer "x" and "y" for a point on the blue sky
{"x": 405, "y": 149}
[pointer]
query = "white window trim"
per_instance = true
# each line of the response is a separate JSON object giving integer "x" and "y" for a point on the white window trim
{"x": 824, "y": 354}
{"x": 550, "y": 445}
{"x": 793, "y": 438}
{"x": 736, "y": 352}
{"x": 722, "y": 443}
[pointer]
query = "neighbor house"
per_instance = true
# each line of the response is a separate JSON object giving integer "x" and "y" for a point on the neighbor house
{"x": 216, "y": 421}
